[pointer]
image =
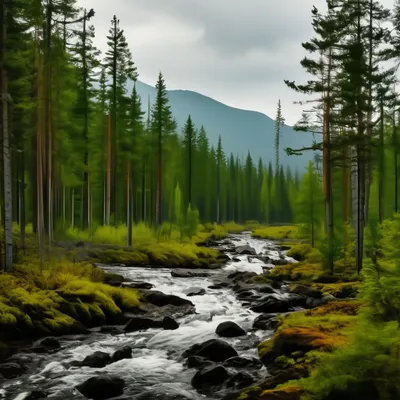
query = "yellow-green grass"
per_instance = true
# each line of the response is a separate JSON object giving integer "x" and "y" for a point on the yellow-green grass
{"x": 276, "y": 232}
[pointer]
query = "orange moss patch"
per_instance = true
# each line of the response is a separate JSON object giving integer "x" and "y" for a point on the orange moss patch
{"x": 350, "y": 307}
{"x": 290, "y": 340}
{"x": 293, "y": 392}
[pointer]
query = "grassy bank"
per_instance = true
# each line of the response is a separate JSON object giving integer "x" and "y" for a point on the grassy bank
{"x": 63, "y": 299}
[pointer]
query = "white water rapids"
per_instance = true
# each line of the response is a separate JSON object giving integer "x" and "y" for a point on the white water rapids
{"x": 156, "y": 362}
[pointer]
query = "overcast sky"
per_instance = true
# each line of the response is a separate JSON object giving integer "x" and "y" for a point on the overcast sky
{"x": 235, "y": 51}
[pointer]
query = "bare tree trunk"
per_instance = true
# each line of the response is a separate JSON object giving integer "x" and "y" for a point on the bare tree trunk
{"x": 396, "y": 169}
{"x": 129, "y": 204}
{"x": 108, "y": 183}
{"x": 8, "y": 244}
{"x": 381, "y": 166}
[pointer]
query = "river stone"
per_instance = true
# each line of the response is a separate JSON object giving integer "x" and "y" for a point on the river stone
{"x": 266, "y": 322}
{"x": 36, "y": 394}
{"x": 243, "y": 362}
{"x": 169, "y": 324}
{"x": 110, "y": 329}
{"x": 138, "y": 285}
{"x": 229, "y": 329}
{"x": 161, "y": 299}
{"x": 197, "y": 362}
{"x": 141, "y": 323}
{"x": 194, "y": 291}
{"x": 11, "y": 370}
{"x": 246, "y": 249}
{"x": 98, "y": 359}
{"x": 46, "y": 344}
{"x": 214, "y": 349}
{"x": 189, "y": 274}
{"x": 235, "y": 259}
{"x": 102, "y": 387}
{"x": 241, "y": 380}
{"x": 272, "y": 304}
{"x": 210, "y": 377}
{"x": 153, "y": 395}
{"x": 121, "y": 354}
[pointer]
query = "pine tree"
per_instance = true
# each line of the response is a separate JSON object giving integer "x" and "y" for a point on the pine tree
{"x": 279, "y": 123}
{"x": 162, "y": 124}
{"x": 189, "y": 140}
{"x": 120, "y": 68}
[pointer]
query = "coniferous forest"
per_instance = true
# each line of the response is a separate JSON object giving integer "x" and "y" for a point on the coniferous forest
{"x": 100, "y": 188}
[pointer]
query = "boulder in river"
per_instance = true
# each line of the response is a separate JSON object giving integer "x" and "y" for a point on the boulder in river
{"x": 266, "y": 322}
{"x": 46, "y": 345}
{"x": 246, "y": 249}
{"x": 169, "y": 324}
{"x": 141, "y": 323}
{"x": 102, "y": 387}
{"x": 161, "y": 299}
{"x": 210, "y": 377}
{"x": 243, "y": 362}
{"x": 194, "y": 291}
{"x": 198, "y": 362}
{"x": 98, "y": 359}
{"x": 229, "y": 329}
{"x": 188, "y": 274}
{"x": 121, "y": 354}
{"x": 11, "y": 370}
{"x": 241, "y": 380}
{"x": 214, "y": 349}
{"x": 138, "y": 285}
{"x": 272, "y": 304}
{"x": 36, "y": 395}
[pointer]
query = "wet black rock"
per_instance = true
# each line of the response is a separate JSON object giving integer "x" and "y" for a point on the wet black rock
{"x": 194, "y": 291}
{"x": 307, "y": 291}
{"x": 36, "y": 395}
{"x": 169, "y": 324}
{"x": 246, "y": 249}
{"x": 198, "y": 362}
{"x": 235, "y": 259}
{"x": 272, "y": 304}
{"x": 241, "y": 380}
{"x": 48, "y": 344}
{"x": 98, "y": 359}
{"x": 266, "y": 322}
{"x": 141, "y": 323}
{"x": 11, "y": 370}
{"x": 111, "y": 329}
{"x": 189, "y": 274}
{"x": 210, "y": 377}
{"x": 243, "y": 362}
{"x": 153, "y": 395}
{"x": 102, "y": 387}
{"x": 138, "y": 285}
{"x": 214, "y": 349}
{"x": 229, "y": 329}
{"x": 121, "y": 354}
{"x": 223, "y": 258}
{"x": 161, "y": 299}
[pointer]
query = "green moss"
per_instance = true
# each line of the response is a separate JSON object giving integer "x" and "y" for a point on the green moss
{"x": 44, "y": 303}
{"x": 276, "y": 232}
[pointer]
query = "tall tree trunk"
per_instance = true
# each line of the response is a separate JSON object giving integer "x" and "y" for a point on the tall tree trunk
{"x": 159, "y": 179}
{"x": 108, "y": 183}
{"x": 327, "y": 167}
{"x": 86, "y": 210}
{"x": 396, "y": 169}
{"x": 8, "y": 244}
{"x": 129, "y": 204}
{"x": 381, "y": 165}
{"x": 144, "y": 197}
{"x": 22, "y": 220}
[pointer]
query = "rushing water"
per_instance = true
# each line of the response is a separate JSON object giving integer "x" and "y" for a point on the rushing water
{"x": 156, "y": 363}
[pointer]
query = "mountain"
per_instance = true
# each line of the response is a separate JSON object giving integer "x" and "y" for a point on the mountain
{"x": 241, "y": 130}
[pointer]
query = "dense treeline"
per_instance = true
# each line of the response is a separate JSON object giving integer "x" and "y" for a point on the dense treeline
{"x": 80, "y": 150}
{"x": 352, "y": 103}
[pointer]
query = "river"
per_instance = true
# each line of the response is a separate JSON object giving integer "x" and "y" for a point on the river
{"x": 156, "y": 362}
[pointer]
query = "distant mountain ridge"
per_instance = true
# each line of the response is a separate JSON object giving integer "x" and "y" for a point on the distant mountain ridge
{"x": 241, "y": 130}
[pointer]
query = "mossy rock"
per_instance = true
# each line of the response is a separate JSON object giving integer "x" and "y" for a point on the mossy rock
{"x": 292, "y": 392}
